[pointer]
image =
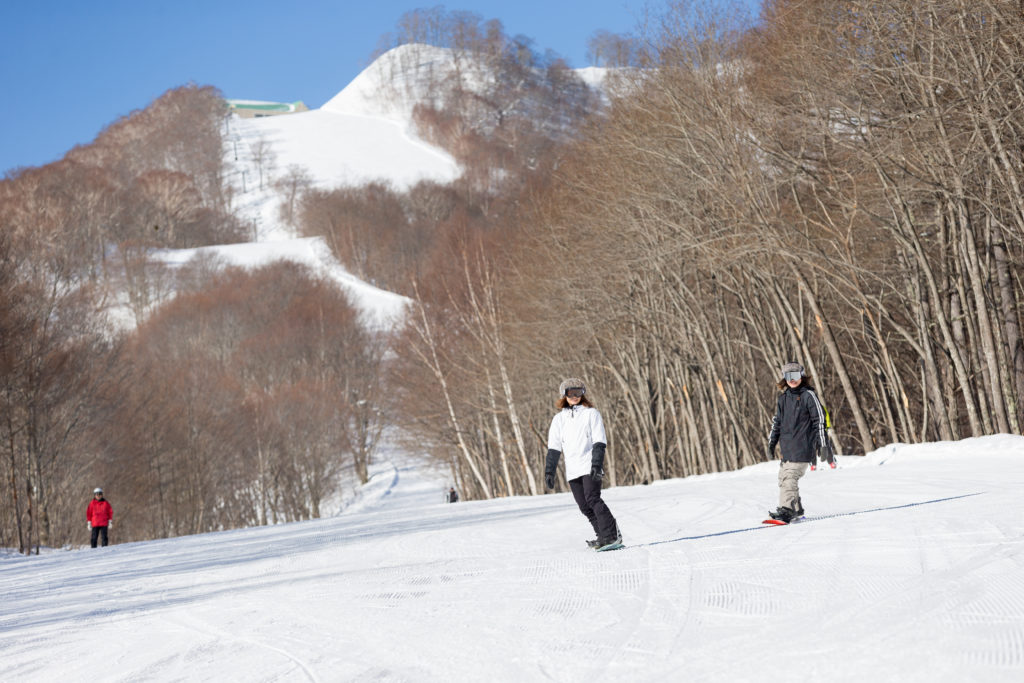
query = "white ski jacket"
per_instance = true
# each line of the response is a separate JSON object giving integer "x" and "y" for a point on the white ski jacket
{"x": 574, "y": 431}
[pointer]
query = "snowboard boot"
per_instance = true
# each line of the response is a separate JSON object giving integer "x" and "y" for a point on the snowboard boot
{"x": 593, "y": 543}
{"x": 783, "y": 514}
{"x": 610, "y": 542}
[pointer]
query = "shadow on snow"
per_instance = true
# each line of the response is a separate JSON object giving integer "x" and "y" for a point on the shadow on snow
{"x": 805, "y": 520}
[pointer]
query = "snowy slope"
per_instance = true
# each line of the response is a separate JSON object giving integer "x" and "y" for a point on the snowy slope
{"x": 348, "y": 149}
{"x": 363, "y": 134}
{"x": 380, "y": 308}
{"x": 359, "y": 136}
{"x": 395, "y": 83}
{"x": 911, "y": 568}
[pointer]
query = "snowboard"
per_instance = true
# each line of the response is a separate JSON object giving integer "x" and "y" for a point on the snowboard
{"x": 779, "y": 522}
{"x": 613, "y": 546}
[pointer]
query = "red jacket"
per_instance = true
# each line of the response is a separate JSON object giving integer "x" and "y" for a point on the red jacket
{"x": 99, "y": 513}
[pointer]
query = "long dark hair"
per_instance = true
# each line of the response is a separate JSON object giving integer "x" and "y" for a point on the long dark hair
{"x": 563, "y": 402}
{"x": 805, "y": 381}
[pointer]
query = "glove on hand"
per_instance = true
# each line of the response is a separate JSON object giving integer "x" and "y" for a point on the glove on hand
{"x": 110, "y": 524}
{"x": 597, "y": 461}
{"x": 550, "y": 465}
{"x": 88, "y": 526}
{"x": 771, "y": 451}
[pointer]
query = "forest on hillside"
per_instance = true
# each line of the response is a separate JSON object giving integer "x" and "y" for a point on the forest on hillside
{"x": 839, "y": 183}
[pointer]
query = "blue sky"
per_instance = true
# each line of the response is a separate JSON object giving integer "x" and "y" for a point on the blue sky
{"x": 68, "y": 68}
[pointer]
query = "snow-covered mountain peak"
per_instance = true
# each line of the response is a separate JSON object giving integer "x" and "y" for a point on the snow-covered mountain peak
{"x": 394, "y": 83}
{"x": 365, "y": 133}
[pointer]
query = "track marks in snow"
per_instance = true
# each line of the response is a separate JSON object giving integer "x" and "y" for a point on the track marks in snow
{"x": 211, "y": 649}
{"x": 589, "y": 577}
{"x": 993, "y": 620}
{"x": 394, "y": 587}
{"x": 394, "y": 598}
{"x": 746, "y": 599}
{"x": 584, "y": 618}
{"x": 565, "y": 606}
{"x": 998, "y": 649}
{"x": 621, "y": 580}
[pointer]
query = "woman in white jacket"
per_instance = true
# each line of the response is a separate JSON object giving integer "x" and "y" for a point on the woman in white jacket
{"x": 577, "y": 430}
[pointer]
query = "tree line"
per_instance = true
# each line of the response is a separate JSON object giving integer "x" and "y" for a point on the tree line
{"x": 225, "y": 398}
{"x": 839, "y": 183}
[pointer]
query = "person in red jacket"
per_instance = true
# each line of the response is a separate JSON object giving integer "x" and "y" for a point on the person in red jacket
{"x": 100, "y": 517}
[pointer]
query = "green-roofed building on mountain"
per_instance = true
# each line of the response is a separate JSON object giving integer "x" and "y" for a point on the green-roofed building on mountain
{"x": 250, "y": 109}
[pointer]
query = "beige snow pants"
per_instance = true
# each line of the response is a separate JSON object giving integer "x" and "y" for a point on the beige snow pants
{"x": 789, "y": 490}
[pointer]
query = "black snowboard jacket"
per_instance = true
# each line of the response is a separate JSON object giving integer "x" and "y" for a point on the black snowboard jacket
{"x": 798, "y": 426}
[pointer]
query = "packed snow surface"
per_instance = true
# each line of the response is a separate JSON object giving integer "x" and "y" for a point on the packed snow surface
{"x": 909, "y": 568}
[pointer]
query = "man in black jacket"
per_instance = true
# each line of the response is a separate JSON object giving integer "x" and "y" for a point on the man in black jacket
{"x": 798, "y": 428}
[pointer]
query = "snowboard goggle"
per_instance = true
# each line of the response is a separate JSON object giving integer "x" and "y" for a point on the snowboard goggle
{"x": 574, "y": 393}
{"x": 790, "y": 376}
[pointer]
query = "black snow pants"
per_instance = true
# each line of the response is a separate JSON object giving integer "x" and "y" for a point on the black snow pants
{"x": 100, "y": 531}
{"x": 587, "y": 493}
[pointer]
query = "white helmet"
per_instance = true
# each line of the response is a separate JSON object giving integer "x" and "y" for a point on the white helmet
{"x": 97, "y": 490}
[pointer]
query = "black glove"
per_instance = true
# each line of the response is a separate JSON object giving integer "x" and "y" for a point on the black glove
{"x": 597, "y": 461}
{"x": 771, "y": 451}
{"x": 550, "y": 466}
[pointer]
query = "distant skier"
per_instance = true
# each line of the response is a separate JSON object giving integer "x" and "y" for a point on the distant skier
{"x": 799, "y": 429}
{"x": 452, "y": 497}
{"x": 100, "y": 517}
{"x": 578, "y": 431}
